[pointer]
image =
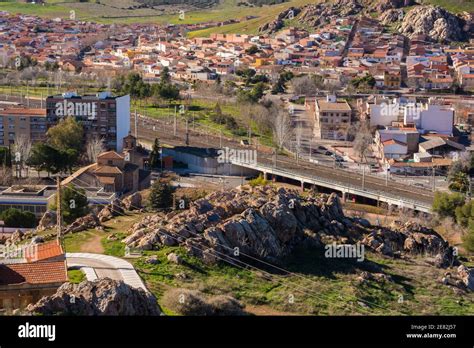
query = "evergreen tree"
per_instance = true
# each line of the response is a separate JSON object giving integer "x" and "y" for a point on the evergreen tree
{"x": 161, "y": 195}
{"x": 155, "y": 156}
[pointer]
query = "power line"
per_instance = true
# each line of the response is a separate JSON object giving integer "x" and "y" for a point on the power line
{"x": 261, "y": 261}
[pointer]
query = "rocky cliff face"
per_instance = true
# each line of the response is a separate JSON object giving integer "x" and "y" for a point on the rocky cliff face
{"x": 268, "y": 223}
{"x": 323, "y": 12}
{"x": 436, "y": 23}
{"x": 100, "y": 297}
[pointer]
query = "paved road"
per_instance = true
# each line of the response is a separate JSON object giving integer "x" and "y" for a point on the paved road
{"x": 101, "y": 266}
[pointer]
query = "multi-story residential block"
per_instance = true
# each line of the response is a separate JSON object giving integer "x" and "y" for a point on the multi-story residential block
{"x": 28, "y": 123}
{"x": 102, "y": 115}
{"x": 332, "y": 118}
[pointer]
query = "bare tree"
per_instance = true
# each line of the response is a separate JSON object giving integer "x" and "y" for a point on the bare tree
{"x": 21, "y": 151}
{"x": 281, "y": 127}
{"x": 305, "y": 85}
{"x": 94, "y": 147}
{"x": 362, "y": 139}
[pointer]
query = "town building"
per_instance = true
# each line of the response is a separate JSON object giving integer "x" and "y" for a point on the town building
{"x": 102, "y": 115}
{"x": 37, "y": 270}
{"x": 22, "y": 122}
{"x": 332, "y": 118}
{"x": 115, "y": 172}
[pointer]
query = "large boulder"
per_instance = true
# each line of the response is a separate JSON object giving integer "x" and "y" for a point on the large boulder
{"x": 434, "y": 22}
{"x": 133, "y": 201}
{"x": 467, "y": 276}
{"x": 83, "y": 223}
{"x": 111, "y": 210}
{"x": 99, "y": 297}
{"x": 47, "y": 221}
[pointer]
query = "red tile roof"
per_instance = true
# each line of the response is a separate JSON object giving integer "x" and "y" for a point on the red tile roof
{"x": 33, "y": 273}
{"x": 46, "y": 251}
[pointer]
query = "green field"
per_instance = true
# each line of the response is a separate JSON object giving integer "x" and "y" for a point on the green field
{"x": 108, "y": 11}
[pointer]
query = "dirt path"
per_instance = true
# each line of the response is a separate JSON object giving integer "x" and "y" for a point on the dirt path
{"x": 93, "y": 245}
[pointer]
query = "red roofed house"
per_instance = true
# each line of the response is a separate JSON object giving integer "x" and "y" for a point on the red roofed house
{"x": 26, "y": 279}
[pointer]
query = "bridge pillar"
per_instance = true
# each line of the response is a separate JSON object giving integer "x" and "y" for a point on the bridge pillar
{"x": 265, "y": 175}
{"x": 343, "y": 197}
{"x": 302, "y": 185}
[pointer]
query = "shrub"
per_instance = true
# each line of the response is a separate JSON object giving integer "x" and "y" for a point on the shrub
{"x": 17, "y": 218}
{"x": 259, "y": 181}
{"x": 195, "y": 303}
{"x": 445, "y": 204}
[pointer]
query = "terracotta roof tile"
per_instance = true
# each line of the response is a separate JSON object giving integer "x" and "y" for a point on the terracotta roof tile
{"x": 33, "y": 273}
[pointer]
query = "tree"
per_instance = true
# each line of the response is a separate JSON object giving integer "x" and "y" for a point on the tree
{"x": 307, "y": 85}
{"x": 47, "y": 158}
{"x": 17, "y": 218}
{"x": 5, "y": 157}
{"x": 363, "y": 83}
{"x": 459, "y": 182}
{"x": 155, "y": 155}
{"x": 21, "y": 150}
{"x": 458, "y": 175}
{"x": 161, "y": 195}
{"x": 167, "y": 91}
{"x": 94, "y": 147}
{"x": 165, "y": 77}
{"x": 73, "y": 203}
{"x": 252, "y": 50}
{"x": 67, "y": 134}
{"x": 363, "y": 139}
{"x": 445, "y": 204}
{"x": 465, "y": 214}
{"x": 281, "y": 127}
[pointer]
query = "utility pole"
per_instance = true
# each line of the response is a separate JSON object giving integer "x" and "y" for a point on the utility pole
{"x": 58, "y": 209}
{"x": 275, "y": 157}
{"x": 174, "y": 127}
{"x": 136, "y": 124}
{"x": 363, "y": 177}
{"x": 27, "y": 95}
{"x": 187, "y": 134}
{"x": 310, "y": 149}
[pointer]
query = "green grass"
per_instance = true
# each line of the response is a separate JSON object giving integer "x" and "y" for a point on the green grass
{"x": 455, "y": 6}
{"x": 200, "y": 110}
{"x": 318, "y": 285}
{"x": 75, "y": 276}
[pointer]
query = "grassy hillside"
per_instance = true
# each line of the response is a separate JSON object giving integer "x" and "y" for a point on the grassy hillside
{"x": 317, "y": 285}
{"x": 455, "y": 6}
{"x": 117, "y": 11}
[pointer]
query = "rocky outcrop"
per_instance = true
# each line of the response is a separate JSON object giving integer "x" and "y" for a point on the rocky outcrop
{"x": 265, "y": 223}
{"x": 316, "y": 15}
{"x": 278, "y": 22}
{"x": 109, "y": 211}
{"x": 83, "y": 223}
{"x": 133, "y": 202}
{"x": 410, "y": 238}
{"x": 99, "y": 297}
{"x": 467, "y": 276}
{"x": 268, "y": 223}
{"x": 47, "y": 221}
{"x": 391, "y": 16}
{"x": 435, "y": 23}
